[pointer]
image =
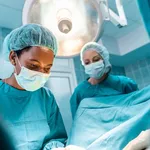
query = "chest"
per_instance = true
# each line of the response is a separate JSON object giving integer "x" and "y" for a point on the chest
{"x": 100, "y": 90}
{"x": 26, "y": 119}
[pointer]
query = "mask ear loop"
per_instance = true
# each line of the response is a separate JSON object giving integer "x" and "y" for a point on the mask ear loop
{"x": 5, "y": 80}
{"x": 18, "y": 63}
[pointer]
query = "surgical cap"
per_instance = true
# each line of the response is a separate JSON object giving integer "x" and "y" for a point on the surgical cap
{"x": 29, "y": 35}
{"x": 100, "y": 49}
{"x": 23, "y": 37}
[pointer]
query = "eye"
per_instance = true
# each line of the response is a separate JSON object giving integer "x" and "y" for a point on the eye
{"x": 86, "y": 62}
{"x": 95, "y": 59}
{"x": 47, "y": 70}
{"x": 33, "y": 67}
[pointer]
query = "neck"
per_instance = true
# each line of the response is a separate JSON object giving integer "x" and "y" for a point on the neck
{"x": 94, "y": 81}
{"x": 12, "y": 82}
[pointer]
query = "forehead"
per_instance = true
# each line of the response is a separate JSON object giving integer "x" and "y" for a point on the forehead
{"x": 42, "y": 54}
{"x": 89, "y": 54}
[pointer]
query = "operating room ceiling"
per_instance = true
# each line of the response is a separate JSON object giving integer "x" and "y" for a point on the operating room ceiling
{"x": 11, "y": 17}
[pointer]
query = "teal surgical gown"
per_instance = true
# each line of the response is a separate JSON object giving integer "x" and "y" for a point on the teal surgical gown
{"x": 32, "y": 118}
{"x": 112, "y": 85}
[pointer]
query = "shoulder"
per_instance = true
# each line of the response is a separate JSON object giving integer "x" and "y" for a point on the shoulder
{"x": 126, "y": 79}
{"x": 125, "y": 83}
{"x": 129, "y": 84}
{"x": 123, "y": 80}
{"x": 119, "y": 77}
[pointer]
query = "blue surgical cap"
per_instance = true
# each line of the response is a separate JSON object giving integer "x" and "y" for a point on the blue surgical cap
{"x": 29, "y": 35}
{"x": 100, "y": 49}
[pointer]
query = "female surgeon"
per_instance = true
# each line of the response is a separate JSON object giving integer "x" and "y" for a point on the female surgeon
{"x": 29, "y": 109}
{"x": 95, "y": 59}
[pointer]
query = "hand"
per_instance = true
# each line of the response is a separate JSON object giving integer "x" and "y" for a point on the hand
{"x": 73, "y": 147}
{"x": 141, "y": 142}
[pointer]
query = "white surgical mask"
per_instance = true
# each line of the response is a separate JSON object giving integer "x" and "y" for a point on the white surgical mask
{"x": 31, "y": 80}
{"x": 95, "y": 70}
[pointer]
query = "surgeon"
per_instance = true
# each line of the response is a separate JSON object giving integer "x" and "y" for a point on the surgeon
{"x": 95, "y": 59}
{"x": 28, "y": 108}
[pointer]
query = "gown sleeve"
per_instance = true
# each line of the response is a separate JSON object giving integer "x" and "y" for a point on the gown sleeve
{"x": 75, "y": 101}
{"x": 58, "y": 136}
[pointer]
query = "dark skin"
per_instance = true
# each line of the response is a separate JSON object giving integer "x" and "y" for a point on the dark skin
{"x": 35, "y": 58}
{"x": 91, "y": 56}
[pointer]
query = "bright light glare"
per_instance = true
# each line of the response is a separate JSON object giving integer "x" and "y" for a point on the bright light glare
{"x": 49, "y": 12}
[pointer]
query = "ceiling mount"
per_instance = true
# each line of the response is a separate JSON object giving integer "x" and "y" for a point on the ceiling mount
{"x": 109, "y": 15}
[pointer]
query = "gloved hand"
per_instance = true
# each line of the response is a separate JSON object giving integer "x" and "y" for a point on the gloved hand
{"x": 141, "y": 142}
{"x": 73, "y": 147}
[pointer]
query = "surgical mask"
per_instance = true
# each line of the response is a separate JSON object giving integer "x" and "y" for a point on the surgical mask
{"x": 31, "y": 80}
{"x": 95, "y": 70}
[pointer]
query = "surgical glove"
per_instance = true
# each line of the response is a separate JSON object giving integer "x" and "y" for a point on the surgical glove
{"x": 141, "y": 142}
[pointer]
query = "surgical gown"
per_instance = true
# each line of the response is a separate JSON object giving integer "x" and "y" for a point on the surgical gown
{"x": 113, "y": 85}
{"x": 111, "y": 123}
{"x": 32, "y": 118}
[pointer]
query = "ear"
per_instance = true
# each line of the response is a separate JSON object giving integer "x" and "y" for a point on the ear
{"x": 12, "y": 58}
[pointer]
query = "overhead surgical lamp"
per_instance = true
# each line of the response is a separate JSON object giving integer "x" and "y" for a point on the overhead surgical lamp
{"x": 74, "y": 22}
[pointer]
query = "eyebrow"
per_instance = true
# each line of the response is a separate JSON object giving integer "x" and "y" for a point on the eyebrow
{"x": 86, "y": 60}
{"x": 39, "y": 62}
{"x": 93, "y": 58}
{"x": 97, "y": 56}
{"x": 34, "y": 60}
